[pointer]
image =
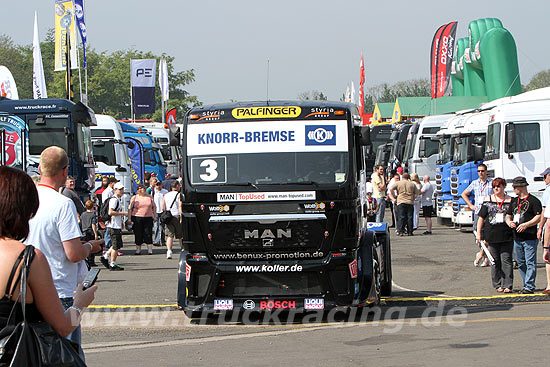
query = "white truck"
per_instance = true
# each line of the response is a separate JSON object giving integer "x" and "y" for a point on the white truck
{"x": 516, "y": 138}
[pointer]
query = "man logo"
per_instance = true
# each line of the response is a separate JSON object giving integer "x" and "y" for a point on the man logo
{"x": 321, "y": 135}
{"x": 249, "y": 304}
{"x": 267, "y": 233}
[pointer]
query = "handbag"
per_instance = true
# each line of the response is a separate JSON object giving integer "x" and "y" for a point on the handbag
{"x": 34, "y": 343}
{"x": 167, "y": 214}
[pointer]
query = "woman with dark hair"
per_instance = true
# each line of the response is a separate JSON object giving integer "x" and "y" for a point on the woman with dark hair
{"x": 143, "y": 213}
{"x": 18, "y": 204}
{"x": 492, "y": 228}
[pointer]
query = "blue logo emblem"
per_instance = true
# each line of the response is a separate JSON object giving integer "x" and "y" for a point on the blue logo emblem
{"x": 321, "y": 135}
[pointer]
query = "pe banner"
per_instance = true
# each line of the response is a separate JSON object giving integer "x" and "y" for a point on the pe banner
{"x": 441, "y": 56}
{"x": 143, "y": 74}
{"x": 79, "y": 15}
{"x": 64, "y": 26}
{"x": 135, "y": 152}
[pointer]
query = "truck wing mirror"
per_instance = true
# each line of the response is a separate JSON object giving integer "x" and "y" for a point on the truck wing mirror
{"x": 364, "y": 137}
{"x": 510, "y": 136}
{"x": 422, "y": 148}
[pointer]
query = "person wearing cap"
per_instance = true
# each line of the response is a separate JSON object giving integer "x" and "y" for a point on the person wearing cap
{"x": 544, "y": 223}
{"x": 522, "y": 216}
{"x": 114, "y": 227}
{"x": 399, "y": 171}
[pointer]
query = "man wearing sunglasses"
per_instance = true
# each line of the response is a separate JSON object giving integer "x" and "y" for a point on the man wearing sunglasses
{"x": 482, "y": 187}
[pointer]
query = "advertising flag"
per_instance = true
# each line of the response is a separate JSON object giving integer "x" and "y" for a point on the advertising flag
{"x": 163, "y": 80}
{"x": 64, "y": 26}
{"x": 352, "y": 95}
{"x": 8, "y": 88}
{"x": 441, "y": 55}
{"x": 171, "y": 117}
{"x": 81, "y": 24}
{"x": 38, "y": 80}
{"x": 361, "y": 86}
{"x": 446, "y": 54}
{"x": 135, "y": 153}
{"x": 143, "y": 73}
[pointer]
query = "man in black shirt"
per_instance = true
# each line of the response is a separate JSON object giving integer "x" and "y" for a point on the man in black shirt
{"x": 523, "y": 215}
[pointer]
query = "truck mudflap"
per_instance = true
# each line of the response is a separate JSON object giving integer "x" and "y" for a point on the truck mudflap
{"x": 344, "y": 278}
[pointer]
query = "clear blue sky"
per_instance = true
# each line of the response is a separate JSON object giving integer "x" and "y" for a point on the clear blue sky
{"x": 311, "y": 44}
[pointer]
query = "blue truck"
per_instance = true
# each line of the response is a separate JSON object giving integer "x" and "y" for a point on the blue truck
{"x": 154, "y": 163}
{"x": 54, "y": 121}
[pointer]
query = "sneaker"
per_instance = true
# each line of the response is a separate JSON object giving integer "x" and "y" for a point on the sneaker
{"x": 526, "y": 291}
{"x": 168, "y": 254}
{"x": 105, "y": 262}
{"x": 427, "y": 232}
{"x": 116, "y": 267}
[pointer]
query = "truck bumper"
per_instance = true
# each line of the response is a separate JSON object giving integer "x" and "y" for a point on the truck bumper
{"x": 268, "y": 286}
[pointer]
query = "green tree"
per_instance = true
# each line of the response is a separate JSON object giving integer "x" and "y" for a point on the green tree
{"x": 312, "y": 95}
{"x": 108, "y": 78}
{"x": 540, "y": 80}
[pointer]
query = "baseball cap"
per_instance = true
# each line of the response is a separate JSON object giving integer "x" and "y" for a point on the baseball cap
{"x": 118, "y": 186}
{"x": 400, "y": 170}
{"x": 519, "y": 181}
{"x": 546, "y": 172}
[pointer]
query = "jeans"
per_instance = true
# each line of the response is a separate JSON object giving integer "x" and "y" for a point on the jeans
{"x": 526, "y": 257}
{"x": 76, "y": 335}
{"x": 381, "y": 203}
{"x": 158, "y": 232}
{"x": 107, "y": 239}
{"x": 406, "y": 214}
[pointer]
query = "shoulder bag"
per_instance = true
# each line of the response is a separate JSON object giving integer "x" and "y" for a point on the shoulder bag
{"x": 167, "y": 214}
{"x": 34, "y": 344}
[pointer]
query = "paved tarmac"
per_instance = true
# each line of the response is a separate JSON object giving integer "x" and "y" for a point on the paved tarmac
{"x": 457, "y": 318}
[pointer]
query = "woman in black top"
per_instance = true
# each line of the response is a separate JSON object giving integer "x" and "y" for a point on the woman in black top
{"x": 18, "y": 204}
{"x": 492, "y": 228}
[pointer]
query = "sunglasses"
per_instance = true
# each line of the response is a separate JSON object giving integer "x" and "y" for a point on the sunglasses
{"x": 482, "y": 171}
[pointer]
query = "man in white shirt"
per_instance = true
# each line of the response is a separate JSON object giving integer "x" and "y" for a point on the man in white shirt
{"x": 114, "y": 227}
{"x": 55, "y": 230}
{"x": 427, "y": 192}
{"x": 158, "y": 193}
{"x": 379, "y": 191}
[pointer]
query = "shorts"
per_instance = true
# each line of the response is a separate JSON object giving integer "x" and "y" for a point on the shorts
{"x": 174, "y": 229}
{"x": 143, "y": 229}
{"x": 427, "y": 211}
{"x": 116, "y": 238}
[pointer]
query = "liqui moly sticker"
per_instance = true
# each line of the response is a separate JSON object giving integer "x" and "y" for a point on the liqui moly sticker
{"x": 353, "y": 269}
{"x": 266, "y": 196}
{"x": 223, "y": 304}
{"x": 187, "y": 272}
{"x": 314, "y": 304}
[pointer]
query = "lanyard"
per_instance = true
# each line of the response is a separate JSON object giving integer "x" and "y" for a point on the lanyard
{"x": 519, "y": 205}
{"x": 44, "y": 185}
{"x": 500, "y": 204}
{"x": 483, "y": 187}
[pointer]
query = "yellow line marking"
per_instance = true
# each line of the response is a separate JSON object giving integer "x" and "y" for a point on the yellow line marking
{"x": 396, "y": 299}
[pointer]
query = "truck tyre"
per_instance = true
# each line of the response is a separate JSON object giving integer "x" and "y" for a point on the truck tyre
{"x": 386, "y": 284}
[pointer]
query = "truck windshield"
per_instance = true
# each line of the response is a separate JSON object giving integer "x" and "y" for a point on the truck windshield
{"x": 272, "y": 168}
{"x": 493, "y": 142}
{"x": 49, "y": 131}
{"x": 460, "y": 154}
{"x": 105, "y": 153}
{"x": 268, "y": 152}
{"x": 166, "y": 152}
{"x": 445, "y": 150}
